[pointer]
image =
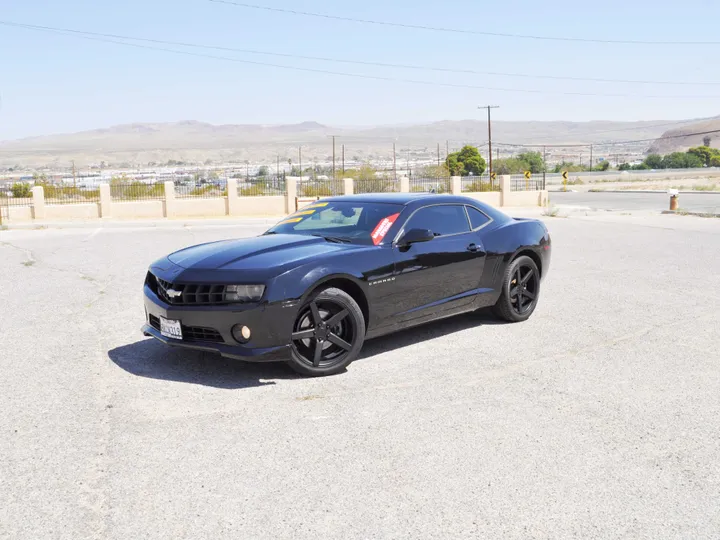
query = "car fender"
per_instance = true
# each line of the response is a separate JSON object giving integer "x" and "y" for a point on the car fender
{"x": 298, "y": 283}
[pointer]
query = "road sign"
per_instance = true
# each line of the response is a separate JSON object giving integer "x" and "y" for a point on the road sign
{"x": 493, "y": 176}
{"x": 565, "y": 175}
{"x": 527, "y": 175}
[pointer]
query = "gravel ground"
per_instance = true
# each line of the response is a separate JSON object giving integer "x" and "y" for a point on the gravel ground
{"x": 597, "y": 418}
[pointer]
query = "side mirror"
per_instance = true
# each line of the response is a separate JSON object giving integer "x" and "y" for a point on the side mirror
{"x": 415, "y": 235}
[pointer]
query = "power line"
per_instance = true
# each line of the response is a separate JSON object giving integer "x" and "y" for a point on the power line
{"x": 458, "y": 30}
{"x": 356, "y": 62}
{"x": 95, "y": 37}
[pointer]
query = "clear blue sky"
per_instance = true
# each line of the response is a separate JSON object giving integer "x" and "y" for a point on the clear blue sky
{"x": 54, "y": 83}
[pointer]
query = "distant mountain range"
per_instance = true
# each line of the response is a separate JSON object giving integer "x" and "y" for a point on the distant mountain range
{"x": 193, "y": 141}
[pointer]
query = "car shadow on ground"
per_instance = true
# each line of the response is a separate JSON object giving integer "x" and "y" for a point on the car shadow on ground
{"x": 152, "y": 359}
{"x": 427, "y": 331}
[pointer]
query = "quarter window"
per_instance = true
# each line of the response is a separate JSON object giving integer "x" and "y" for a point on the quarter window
{"x": 442, "y": 219}
{"x": 477, "y": 218}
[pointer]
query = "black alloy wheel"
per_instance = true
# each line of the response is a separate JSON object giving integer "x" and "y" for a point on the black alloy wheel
{"x": 521, "y": 290}
{"x": 328, "y": 333}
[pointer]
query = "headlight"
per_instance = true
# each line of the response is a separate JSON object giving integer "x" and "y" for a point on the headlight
{"x": 244, "y": 293}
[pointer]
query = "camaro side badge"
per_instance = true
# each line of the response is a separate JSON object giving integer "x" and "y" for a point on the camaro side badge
{"x": 382, "y": 228}
{"x": 379, "y": 281}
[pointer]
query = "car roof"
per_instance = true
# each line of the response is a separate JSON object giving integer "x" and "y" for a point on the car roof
{"x": 397, "y": 198}
{"x": 416, "y": 200}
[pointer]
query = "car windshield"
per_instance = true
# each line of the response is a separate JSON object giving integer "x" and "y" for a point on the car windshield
{"x": 354, "y": 222}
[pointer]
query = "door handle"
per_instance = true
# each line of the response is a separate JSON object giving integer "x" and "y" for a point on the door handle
{"x": 473, "y": 247}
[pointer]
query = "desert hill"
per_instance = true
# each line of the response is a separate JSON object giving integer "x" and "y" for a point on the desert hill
{"x": 194, "y": 141}
{"x": 676, "y": 140}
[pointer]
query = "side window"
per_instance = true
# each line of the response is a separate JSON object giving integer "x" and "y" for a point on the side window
{"x": 442, "y": 220}
{"x": 477, "y": 218}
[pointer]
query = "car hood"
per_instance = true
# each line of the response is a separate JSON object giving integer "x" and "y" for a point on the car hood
{"x": 260, "y": 252}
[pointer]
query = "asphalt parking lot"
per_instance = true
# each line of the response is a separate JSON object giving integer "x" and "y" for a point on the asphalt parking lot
{"x": 629, "y": 201}
{"x": 597, "y": 418}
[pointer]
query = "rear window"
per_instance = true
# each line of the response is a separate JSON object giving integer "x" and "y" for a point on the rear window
{"x": 477, "y": 218}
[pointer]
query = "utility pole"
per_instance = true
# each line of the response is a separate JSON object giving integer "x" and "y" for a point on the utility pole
{"x": 334, "y": 157}
{"x": 488, "y": 107}
{"x": 278, "y": 166}
{"x": 544, "y": 164}
{"x": 343, "y": 159}
{"x": 394, "y": 162}
{"x": 300, "y": 156}
{"x": 447, "y": 148}
{"x": 438, "y": 154}
{"x": 74, "y": 175}
{"x": 591, "y": 157}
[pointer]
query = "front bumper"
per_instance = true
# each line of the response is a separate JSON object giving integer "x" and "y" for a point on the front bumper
{"x": 208, "y": 328}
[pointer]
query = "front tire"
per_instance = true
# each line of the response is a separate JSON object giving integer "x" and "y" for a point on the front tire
{"x": 328, "y": 333}
{"x": 520, "y": 291}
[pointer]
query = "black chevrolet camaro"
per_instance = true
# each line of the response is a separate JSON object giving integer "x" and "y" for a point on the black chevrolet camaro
{"x": 314, "y": 287}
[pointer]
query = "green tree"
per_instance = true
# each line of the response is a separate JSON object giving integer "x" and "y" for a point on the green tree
{"x": 624, "y": 167}
{"x": 705, "y": 153}
{"x": 510, "y": 166}
{"x": 21, "y": 190}
{"x": 681, "y": 160}
{"x": 534, "y": 160}
{"x": 715, "y": 161}
{"x": 465, "y": 162}
{"x": 654, "y": 161}
{"x": 604, "y": 165}
{"x": 264, "y": 170}
{"x": 568, "y": 166}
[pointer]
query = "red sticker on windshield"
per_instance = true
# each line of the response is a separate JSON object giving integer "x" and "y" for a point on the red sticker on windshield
{"x": 382, "y": 228}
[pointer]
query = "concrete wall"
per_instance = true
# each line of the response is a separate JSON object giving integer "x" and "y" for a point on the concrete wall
{"x": 488, "y": 197}
{"x": 232, "y": 205}
{"x": 20, "y": 213}
{"x": 525, "y": 198}
{"x": 137, "y": 209}
{"x": 200, "y": 207}
{"x": 72, "y": 211}
{"x": 260, "y": 206}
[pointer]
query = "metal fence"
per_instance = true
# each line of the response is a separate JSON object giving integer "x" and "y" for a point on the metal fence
{"x": 59, "y": 194}
{"x": 209, "y": 190}
{"x": 518, "y": 182}
{"x": 376, "y": 185}
{"x": 476, "y": 184}
{"x": 430, "y": 185}
{"x": 137, "y": 191}
{"x": 6, "y": 200}
{"x": 262, "y": 186}
{"x": 320, "y": 188}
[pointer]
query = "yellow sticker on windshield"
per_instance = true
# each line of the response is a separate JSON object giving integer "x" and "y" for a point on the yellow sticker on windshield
{"x": 295, "y": 220}
{"x": 306, "y": 213}
{"x": 317, "y": 205}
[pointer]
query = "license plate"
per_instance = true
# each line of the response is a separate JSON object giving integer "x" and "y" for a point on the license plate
{"x": 171, "y": 329}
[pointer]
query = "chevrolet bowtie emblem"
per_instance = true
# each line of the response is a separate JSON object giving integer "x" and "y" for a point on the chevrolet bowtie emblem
{"x": 172, "y": 293}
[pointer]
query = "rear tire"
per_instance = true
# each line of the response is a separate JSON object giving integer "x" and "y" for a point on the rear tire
{"x": 328, "y": 334}
{"x": 520, "y": 291}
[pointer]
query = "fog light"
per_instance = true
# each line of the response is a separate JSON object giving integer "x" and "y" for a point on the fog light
{"x": 241, "y": 333}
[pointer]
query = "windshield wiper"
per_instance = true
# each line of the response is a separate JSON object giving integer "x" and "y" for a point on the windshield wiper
{"x": 335, "y": 239}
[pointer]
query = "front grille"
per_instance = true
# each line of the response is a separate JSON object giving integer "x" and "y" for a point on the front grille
{"x": 192, "y": 333}
{"x": 190, "y": 294}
